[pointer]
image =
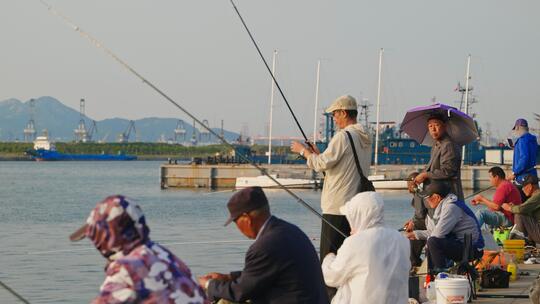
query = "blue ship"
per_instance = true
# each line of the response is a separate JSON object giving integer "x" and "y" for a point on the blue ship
{"x": 44, "y": 150}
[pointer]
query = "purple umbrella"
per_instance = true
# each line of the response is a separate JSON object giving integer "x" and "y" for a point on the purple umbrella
{"x": 459, "y": 126}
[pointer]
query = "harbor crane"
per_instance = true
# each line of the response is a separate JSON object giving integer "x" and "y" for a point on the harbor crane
{"x": 179, "y": 132}
{"x": 81, "y": 133}
{"x": 124, "y": 136}
{"x": 30, "y": 129}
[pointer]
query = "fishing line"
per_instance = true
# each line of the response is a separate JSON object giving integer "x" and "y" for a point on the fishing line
{"x": 14, "y": 293}
{"x": 98, "y": 44}
{"x": 271, "y": 74}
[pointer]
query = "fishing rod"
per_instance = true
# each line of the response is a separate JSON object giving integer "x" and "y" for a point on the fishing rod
{"x": 272, "y": 75}
{"x": 14, "y": 293}
{"x": 98, "y": 44}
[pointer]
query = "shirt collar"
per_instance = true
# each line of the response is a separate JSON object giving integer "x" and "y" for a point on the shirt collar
{"x": 263, "y": 226}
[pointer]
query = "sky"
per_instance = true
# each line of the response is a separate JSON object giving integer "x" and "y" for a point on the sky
{"x": 198, "y": 53}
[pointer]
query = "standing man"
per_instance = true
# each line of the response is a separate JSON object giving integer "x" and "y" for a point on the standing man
{"x": 445, "y": 161}
{"x": 525, "y": 153}
{"x": 505, "y": 192}
{"x": 281, "y": 266}
{"x": 341, "y": 176}
{"x": 342, "y": 180}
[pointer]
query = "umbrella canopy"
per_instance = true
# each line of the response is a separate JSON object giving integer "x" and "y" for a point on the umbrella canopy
{"x": 459, "y": 126}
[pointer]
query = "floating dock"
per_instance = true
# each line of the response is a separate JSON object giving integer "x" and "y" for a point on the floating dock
{"x": 225, "y": 175}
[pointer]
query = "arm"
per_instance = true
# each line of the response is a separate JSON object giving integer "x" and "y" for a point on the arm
{"x": 117, "y": 287}
{"x": 258, "y": 273}
{"x": 450, "y": 215}
{"x": 492, "y": 205}
{"x": 528, "y": 207}
{"x": 336, "y": 269}
{"x": 449, "y": 161}
{"x": 331, "y": 156}
{"x": 520, "y": 162}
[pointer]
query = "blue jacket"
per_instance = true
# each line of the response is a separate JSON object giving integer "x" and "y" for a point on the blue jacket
{"x": 525, "y": 152}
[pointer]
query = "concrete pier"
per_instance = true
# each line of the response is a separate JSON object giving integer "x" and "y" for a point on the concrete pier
{"x": 224, "y": 175}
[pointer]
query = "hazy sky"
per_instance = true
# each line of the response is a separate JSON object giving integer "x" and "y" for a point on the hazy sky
{"x": 198, "y": 53}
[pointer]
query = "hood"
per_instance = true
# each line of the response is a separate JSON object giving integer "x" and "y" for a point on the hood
{"x": 116, "y": 226}
{"x": 365, "y": 210}
{"x": 365, "y": 138}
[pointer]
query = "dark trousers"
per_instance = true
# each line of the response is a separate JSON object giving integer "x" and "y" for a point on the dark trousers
{"x": 416, "y": 251}
{"x": 440, "y": 250}
{"x": 529, "y": 226}
{"x": 331, "y": 240}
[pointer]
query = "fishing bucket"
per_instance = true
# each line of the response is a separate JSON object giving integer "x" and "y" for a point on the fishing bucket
{"x": 452, "y": 291}
{"x": 515, "y": 247}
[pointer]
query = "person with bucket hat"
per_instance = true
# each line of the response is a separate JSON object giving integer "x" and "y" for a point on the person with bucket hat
{"x": 445, "y": 233}
{"x": 525, "y": 152}
{"x": 342, "y": 178}
{"x": 138, "y": 270}
{"x": 281, "y": 266}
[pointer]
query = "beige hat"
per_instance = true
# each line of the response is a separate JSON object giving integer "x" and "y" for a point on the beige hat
{"x": 345, "y": 102}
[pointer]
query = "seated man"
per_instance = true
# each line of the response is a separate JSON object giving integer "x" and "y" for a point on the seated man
{"x": 527, "y": 215}
{"x": 281, "y": 266}
{"x": 505, "y": 192}
{"x": 446, "y": 231}
{"x": 138, "y": 270}
{"x": 418, "y": 221}
{"x": 372, "y": 265}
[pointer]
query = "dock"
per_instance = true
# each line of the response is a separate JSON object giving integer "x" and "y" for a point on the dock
{"x": 225, "y": 175}
{"x": 518, "y": 287}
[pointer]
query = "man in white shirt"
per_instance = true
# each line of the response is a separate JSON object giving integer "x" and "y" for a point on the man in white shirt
{"x": 341, "y": 179}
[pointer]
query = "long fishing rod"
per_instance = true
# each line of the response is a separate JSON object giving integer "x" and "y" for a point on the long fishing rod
{"x": 271, "y": 74}
{"x": 14, "y": 293}
{"x": 124, "y": 64}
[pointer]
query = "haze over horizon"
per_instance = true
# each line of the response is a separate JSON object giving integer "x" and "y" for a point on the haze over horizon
{"x": 198, "y": 53}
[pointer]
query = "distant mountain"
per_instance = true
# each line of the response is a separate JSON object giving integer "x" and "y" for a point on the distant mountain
{"x": 61, "y": 120}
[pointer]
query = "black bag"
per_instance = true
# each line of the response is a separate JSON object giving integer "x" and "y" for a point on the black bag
{"x": 495, "y": 278}
{"x": 365, "y": 184}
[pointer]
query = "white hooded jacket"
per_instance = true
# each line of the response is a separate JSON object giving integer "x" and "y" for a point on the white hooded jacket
{"x": 372, "y": 266}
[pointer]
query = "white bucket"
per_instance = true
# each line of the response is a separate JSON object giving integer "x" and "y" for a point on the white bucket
{"x": 452, "y": 291}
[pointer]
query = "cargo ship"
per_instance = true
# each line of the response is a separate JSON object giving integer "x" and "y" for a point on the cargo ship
{"x": 45, "y": 150}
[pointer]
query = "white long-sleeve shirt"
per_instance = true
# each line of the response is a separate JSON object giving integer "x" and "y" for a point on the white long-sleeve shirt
{"x": 337, "y": 161}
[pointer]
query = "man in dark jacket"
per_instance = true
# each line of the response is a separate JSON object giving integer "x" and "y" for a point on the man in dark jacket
{"x": 445, "y": 162}
{"x": 281, "y": 266}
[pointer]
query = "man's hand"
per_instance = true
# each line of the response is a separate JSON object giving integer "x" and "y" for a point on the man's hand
{"x": 219, "y": 276}
{"x": 477, "y": 199}
{"x": 409, "y": 226}
{"x": 297, "y": 147}
{"x": 511, "y": 177}
{"x": 420, "y": 178}
{"x": 411, "y": 236}
{"x": 202, "y": 281}
{"x": 507, "y": 207}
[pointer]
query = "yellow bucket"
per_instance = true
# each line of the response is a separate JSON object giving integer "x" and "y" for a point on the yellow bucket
{"x": 515, "y": 247}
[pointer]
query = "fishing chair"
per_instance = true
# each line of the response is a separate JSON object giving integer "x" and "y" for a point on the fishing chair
{"x": 468, "y": 263}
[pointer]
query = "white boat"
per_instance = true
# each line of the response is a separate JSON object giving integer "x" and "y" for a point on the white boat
{"x": 381, "y": 183}
{"x": 265, "y": 182}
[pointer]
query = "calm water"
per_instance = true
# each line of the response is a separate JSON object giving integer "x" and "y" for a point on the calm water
{"x": 42, "y": 203}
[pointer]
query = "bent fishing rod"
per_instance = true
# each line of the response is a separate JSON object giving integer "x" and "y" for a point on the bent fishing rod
{"x": 98, "y": 44}
{"x": 311, "y": 145}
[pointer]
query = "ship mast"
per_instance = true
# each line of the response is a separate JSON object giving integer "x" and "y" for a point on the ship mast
{"x": 467, "y": 78}
{"x": 271, "y": 107}
{"x": 378, "y": 109}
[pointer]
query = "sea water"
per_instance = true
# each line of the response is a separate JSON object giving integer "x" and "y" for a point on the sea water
{"x": 41, "y": 203}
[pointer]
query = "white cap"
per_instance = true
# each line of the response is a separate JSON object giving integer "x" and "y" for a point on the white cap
{"x": 345, "y": 102}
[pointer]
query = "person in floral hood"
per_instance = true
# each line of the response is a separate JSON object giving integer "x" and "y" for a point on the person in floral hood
{"x": 138, "y": 270}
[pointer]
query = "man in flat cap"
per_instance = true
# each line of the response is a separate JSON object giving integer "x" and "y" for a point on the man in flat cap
{"x": 342, "y": 179}
{"x": 281, "y": 266}
{"x": 527, "y": 215}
